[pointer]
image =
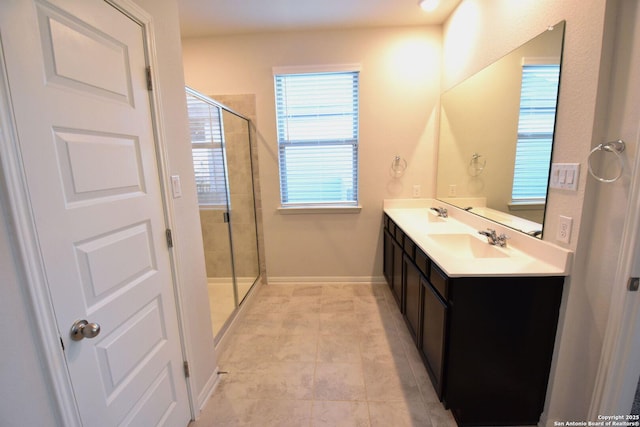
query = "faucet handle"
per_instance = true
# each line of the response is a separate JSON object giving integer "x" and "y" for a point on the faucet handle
{"x": 502, "y": 240}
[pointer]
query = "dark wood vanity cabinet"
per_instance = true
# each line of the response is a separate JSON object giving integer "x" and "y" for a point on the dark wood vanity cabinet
{"x": 499, "y": 345}
{"x": 486, "y": 342}
{"x": 412, "y": 297}
{"x": 393, "y": 254}
{"x": 434, "y": 326}
{"x": 387, "y": 268}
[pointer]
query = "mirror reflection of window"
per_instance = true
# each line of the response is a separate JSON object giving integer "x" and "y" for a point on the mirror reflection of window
{"x": 538, "y": 100}
{"x": 208, "y": 162}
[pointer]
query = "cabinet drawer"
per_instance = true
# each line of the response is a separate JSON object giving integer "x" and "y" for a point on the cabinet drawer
{"x": 439, "y": 281}
{"x": 399, "y": 234}
{"x": 422, "y": 261}
{"x": 409, "y": 247}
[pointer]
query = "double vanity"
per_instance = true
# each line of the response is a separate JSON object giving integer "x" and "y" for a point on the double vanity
{"x": 483, "y": 316}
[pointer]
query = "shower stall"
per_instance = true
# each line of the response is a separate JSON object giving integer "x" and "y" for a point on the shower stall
{"x": 224, "y": 172}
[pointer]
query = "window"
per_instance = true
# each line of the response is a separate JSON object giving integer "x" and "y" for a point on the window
{"x": 206, "y": 146}
{"x": 538, "y": 98}
{"x": 317, "y": 120}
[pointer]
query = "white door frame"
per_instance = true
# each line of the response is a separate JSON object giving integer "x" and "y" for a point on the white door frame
{"x": 25, "y": 242}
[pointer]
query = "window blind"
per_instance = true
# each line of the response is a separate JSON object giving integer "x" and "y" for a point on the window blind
{"x": 317, "y": 121}
{"x": 536, "y": 123}
{"x": 206, "y": 146}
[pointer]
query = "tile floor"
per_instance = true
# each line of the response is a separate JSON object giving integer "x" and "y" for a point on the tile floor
{"x": 323, "y": 355}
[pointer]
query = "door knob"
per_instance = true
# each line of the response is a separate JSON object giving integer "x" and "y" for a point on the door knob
{"x": 83, "y": 329}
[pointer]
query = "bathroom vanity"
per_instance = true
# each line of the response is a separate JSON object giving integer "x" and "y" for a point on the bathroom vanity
{"x": 483, "y": 318}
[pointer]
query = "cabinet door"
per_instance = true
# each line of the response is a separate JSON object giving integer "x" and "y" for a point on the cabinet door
{"x": 396, "y": 279}
{"x": 387, "y": 266}
{"x": 412, "y": 300}
{"x": 433, "y": 332}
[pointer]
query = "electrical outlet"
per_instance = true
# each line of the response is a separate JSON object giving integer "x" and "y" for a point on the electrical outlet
{"x": 452, "y": 190}
{"x": 563, "y": 234}
{"x": 416, "y": 190}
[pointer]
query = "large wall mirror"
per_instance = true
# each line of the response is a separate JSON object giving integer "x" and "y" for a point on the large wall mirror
{"x": 496, "y": 135}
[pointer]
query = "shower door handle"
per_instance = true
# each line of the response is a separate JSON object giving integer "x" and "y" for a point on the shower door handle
{"x": 225, "y": 215}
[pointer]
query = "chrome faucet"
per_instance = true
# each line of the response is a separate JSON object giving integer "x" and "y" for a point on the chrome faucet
{"x": 441, "y": 211}
{"x": 493, "y": 238}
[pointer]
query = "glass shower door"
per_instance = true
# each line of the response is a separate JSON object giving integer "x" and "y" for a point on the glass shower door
{"x": 207, "y": 142}
{"x": 222, "y": 161}
{"x": 242, "y": 204}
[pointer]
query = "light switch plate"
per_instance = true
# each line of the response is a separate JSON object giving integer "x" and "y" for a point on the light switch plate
{"x": 176, "y": 186}
{"x": 565, "y": 176}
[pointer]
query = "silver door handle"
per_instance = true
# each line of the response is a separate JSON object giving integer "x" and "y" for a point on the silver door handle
{"x": 82, "y": 329}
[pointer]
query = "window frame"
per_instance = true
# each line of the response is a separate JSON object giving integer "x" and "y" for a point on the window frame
{"x": 294, "y": 207}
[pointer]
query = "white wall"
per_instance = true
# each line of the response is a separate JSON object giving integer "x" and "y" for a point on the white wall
{"x": 25, "y": 398}
{"x": 473, "y": 38}
{"x": 24, "y": 395}
{"x": 399, "y": 89}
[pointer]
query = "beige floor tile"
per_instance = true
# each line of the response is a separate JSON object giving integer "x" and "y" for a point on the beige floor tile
{"x": 330, "y": 355}
{"x": 390, "y": 381}
{"x": 339, "y": 323}
{"x": 303, "y": 304}
{"x": 382, "y": 348}
{"x": 339, "y": 414}
{"x": 272, "y": 290}
{"x": 286, "y": 380}
{"x": 261, "y": 324}
{"x": 339, "y": 381}
{"x": 404, "y": 413}
{"x": 270, "y": 304}
{"x": 336, "y": 304}
{"x": 301, "y": 323}
{"x": 255, "y": 413}
{"x": 296, "y": 348}
{"x": 306, "y": 291}
{"x": 339, "y": 348}
{"x": 248, "y": 348}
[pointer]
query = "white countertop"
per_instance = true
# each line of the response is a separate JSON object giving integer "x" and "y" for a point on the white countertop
{"x": 523, "y": 256}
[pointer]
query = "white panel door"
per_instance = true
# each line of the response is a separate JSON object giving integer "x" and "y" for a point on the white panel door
{"x": 77, "y": 76}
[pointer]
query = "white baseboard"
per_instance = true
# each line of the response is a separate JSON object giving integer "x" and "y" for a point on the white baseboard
{"x": 348, "y": 280}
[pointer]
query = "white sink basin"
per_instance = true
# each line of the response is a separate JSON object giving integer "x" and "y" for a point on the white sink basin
{"x": 467, "y": 246}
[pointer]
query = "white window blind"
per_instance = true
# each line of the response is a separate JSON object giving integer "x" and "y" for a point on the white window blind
{"x": 317, "y": 120}
{"x": 206, "y": 146}
{"x": 538, "y": 102}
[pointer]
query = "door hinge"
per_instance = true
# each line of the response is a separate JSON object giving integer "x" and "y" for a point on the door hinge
{"x": 169, "y": 237}
{"x": 149, "y": 81}
{"x": 185, "y": 365}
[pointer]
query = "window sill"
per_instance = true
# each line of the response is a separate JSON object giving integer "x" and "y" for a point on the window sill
{"x": 319, "y": 210}
{"x": 526, "y": 206}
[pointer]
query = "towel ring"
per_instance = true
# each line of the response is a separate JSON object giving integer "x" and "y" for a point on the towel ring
{"x": 398, "y": 166}
{"x": 475, "y": 165}
{"x": 615, "y": 147}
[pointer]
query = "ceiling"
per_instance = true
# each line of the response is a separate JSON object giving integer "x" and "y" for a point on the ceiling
{"x": 200, "y": 18}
